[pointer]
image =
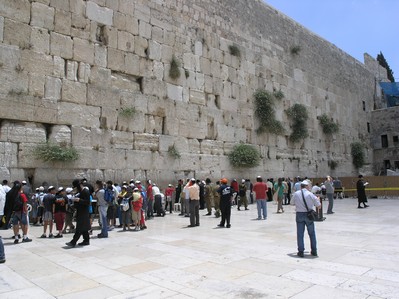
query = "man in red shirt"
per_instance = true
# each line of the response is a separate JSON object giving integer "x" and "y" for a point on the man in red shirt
{"x": 168, "y": 194}
{"x": 260, "y": 189}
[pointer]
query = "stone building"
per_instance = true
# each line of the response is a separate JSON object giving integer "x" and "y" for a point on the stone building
{"x": 95, "y": 75}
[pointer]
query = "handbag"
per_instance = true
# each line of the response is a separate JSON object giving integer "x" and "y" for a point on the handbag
{"x": 312, "y": 214}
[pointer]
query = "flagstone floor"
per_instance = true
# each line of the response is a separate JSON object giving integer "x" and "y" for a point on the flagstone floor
{"x": 358, "y": 258}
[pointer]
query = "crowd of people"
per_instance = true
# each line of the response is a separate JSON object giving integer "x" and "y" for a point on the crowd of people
{"x": 133, "y": 203}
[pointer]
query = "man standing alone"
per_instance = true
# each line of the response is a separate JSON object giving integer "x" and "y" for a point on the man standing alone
{"x": 304, "y": 200}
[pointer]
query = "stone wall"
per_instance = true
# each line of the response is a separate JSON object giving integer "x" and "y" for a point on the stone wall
{"x": 69, "y": 68}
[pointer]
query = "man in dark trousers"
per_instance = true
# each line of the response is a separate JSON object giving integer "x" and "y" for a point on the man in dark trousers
{"x": 226, "y": 194}
{"x": 81, "y": 203}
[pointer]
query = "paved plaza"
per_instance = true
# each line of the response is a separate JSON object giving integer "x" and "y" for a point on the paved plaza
{"x": 358, "y": 258}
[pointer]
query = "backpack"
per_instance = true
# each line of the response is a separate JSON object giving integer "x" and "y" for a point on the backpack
{"x": 144, "y": 197}
{"x": 18, "y": 204}
{"x": 109, "y": 195}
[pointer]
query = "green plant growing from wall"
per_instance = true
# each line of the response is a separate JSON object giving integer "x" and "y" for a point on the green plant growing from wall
{"x": 329, "y": 126}
{"x": 173, "y": 152}
{"x": 174, "y": 71}
{"x": 299, "y": 116}
{"x": 50, "y": 152}
{"x": 244, "y": 155}
{"x": 278, "y": 94}
{"x": 295, "y": 50}
{"x": 265, "y": 113}
{"x": 127, "y": 112}
{"x": 235, "y": 51}
{"x": 357, "y": 153}
{"x": 333, "y": 164}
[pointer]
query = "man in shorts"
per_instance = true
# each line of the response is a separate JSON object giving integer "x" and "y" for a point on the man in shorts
{"x": 48, "y": 216}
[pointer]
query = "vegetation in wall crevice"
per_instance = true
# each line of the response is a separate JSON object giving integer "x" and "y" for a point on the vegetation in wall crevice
{"x": 244, "y": 155}
{"x": 357, "y": 153}
{"x": 51, "y": 152}
{"x": 299, "y": 116}
{"x": 174, "y": 71}
{"x": 329, "y": 126}
{"x": 265, "y": 113}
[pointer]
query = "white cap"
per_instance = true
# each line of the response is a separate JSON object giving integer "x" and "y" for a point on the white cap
{"x": 305, "y": 183}
{"x": 23, "y": 182}
{"x": 137, "y": 182}
{"x": 259, "y": 177}
{"x": 243, "y": 181}
{"x": 69, "y": 190}
{"x": 50, "y": 188}
{"x": 60, "y": 189}
{"x": 41, "y": 188}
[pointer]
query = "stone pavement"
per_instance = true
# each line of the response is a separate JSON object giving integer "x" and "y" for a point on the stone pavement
{"x": 358, "y": 258}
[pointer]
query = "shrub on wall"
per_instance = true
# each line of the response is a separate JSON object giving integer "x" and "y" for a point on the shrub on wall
{"x": 234, "y": 51}
{"x": 127, "y": 112}
{"x": 53, "y": 152}
{"x": 328, "y": 125}
{"x": 265, "y": 113}
{"x": 173, "y": 152}
{"x": 174, "y": 71}
{"x": 244, "y": 155}
{"x": 299, "y": 116}
{"x": 357, "y": 153}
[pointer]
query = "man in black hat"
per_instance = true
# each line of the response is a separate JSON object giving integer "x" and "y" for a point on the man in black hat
{"x": 81, "y": 203}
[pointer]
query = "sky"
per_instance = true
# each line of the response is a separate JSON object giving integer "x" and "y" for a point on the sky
{"x": 355, "y": 26}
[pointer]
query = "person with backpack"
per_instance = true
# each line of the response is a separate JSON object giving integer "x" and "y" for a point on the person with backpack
{"x": 19, "y": 203}
{"x": 110, "y": 196}
{"x": 137, "y": 204}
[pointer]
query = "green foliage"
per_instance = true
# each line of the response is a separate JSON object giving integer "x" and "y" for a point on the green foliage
{"x": 329, "y": 126}
{"x": 278, "y": 94}
{"x": 54, "y": 152}
{"x": 265, "y": 113}
{"x": 234, "y": 51}
{"x": 127, "y": 112}
{"x": 173, "y": 152}
{"x": 299, "y": 116}
{"x": 357, "y": 152}
{"x": 174, "y": 71}
{"x": 244, "y": 155}
{"x": 382, "y": 61}
{"x": 295, "y": 50}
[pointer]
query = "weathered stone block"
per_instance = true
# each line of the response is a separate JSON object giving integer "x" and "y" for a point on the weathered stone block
{"x": 79, "y": 115}
{"x": 154, "y": 87}
{"x": 174, "y": 92}
{"x": 116, "y": 59}
{"x": 72, "y": 70}
{"x": 74, "y": 92}
{"x": 77, "y": 6}
{"x": 36, "y": 85}
{"x": 146, "y": 142}
{"x": 122, "y": 140}
{"x": 40, "y": 40}
{"x": 60, "y": 134}
{"x": 1, "y": 28}
{"x": 197, "y": 97}
{"x": 22, "y": 39}
{"x": 8, "y": 157}
{"x": 61, "y": 45}
{"x": 16, "y": 10}
{"x": 154, "y": 50}
{"x": 126, "y": 41}
{"x": 22, "y": 132}
{"x": 81, "y": 136}
{"x": 83, "y": 50}
{"x": 42, "y": 16}
{"x": 211, "y": 147}
{"x": 52, "y": 88}
{"x": 102, "y": 15}
{"x": 100, "y": 55}
{"x": 126, "y": 6}
{"x": 100, "y": 76}
{"x": 60, "y": 4}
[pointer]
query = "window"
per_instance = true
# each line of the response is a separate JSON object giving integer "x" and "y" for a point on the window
{"x": 387, "y": 164}
{"x": 384, "y": 140}
{"x": 368, "y": 127}
{"x": 396, "y": 164}
{"x": 395, "y": 140}
{"x": 364, "y": 106}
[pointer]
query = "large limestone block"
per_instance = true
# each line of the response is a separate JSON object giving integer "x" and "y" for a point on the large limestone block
{"x": 1, "y": 28}
{"x": 146, "y": 142}
{"x": 102, "y": 96}
{"x": 174, "y": 92}
{"x": 52, "y": 88}
{"x": 209, "y": 167}
{"x": 72, "y": 70}
{"x": 197, "y": 97}
{"x": 60, "y": 134}
{"x": 37, "y": 63}
{"x": 102, "y": 15}
{"x": 140, "y": 46}
{"x": 40, "y": 40}
{"x": 61, "y": 45}
{"x": 193, "y": 128}
{"x": 140, "y": 160}
{"x": 132, "y": 65}
{"x": 42, "y": 16}
{"x": 189, "y": 162}
{"x": 145, "y": 29}
{"x": 84, "y": 72}
{"x": 154, "y": 87}
{"x": 22, "y": 38}
{"x": 74, "y": 92}
{"x": 79, "y": 115}
{"x": 8, "y": 154}
{"x": 22, "y": 132}
{"x": 109, "y": 118}
{"x": 124, "y": 82}
{"x": 116, "y": 59}
{"x": 211, "y": 147}
{"x": 122, "y": 140}
{"x": 100, "y": 55}
{"x": 126, "y": 41}
{"x": 10, "y": 57}
{"x": 17, "y": 10}
{"x": 83, "y": 50}
{"x": 153, "y": 124}
{"x": 81, "y": 136}
{"x": 36, "y": 85}
{"x": 100, "y": 76}
{"x": 60, "y": 4}
{"x": 77, "y": 6}
{"x": 127, "y": 7}
{"x": 228, "y": 104}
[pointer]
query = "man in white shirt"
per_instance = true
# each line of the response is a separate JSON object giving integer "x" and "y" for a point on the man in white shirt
{"x": 302, "y": 220}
